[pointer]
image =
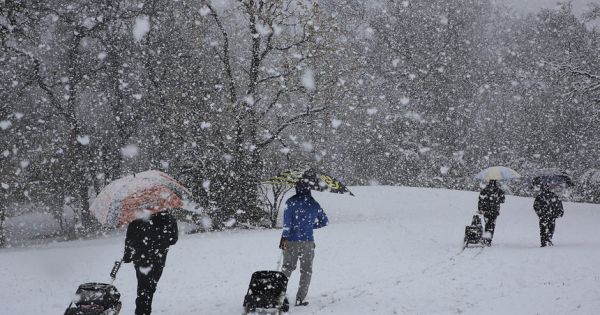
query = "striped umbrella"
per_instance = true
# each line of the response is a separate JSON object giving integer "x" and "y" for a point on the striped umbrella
{"x": 497, "y": 173}
{"x": 317, "y": 180}
{"x": 137, "y": 196}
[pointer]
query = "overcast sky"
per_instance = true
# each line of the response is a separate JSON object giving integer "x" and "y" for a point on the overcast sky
{"x": 529, "y": 6}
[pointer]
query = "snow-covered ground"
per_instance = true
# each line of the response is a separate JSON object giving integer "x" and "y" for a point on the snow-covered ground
{"x": 389, "y": 250}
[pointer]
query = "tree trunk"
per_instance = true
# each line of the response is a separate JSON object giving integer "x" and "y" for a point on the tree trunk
{"x": 2, "y": 217}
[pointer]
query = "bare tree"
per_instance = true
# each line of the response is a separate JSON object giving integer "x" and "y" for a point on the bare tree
{"x": 271, "y": 197}
{"x": 266, "y": 60}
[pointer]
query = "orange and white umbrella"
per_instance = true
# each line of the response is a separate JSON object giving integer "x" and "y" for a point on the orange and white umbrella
{"x": 137, "y": 196}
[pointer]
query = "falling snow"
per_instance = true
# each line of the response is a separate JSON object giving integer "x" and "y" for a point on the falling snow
{"x": 204, "y": 11}
{"x": 24, "y": 163}
{"x": 336, "y": 123}
{"x": 224, "y": 95}
{"x": 141, "y": 27}
{"x": 205, "y": 125}
{"x": 308, "y": 80}
{"x": 5, "y": 124}
{"x": 83, "y": 139}
{"x": 130, "y": 151}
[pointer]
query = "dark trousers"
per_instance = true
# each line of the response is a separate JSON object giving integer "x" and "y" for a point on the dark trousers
{"x": 547, "y": 226}
{"x": 490, "y": 225}
{"x": 305, "y": 252}
{"x": 147, "y": 278}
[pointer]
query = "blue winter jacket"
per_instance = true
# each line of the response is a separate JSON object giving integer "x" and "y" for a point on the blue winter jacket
{"x": 301, "y": 215}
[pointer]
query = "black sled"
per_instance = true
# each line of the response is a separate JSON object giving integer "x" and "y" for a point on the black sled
{"x": 97, "y": 298}
{"x": 267, "y": 292}
{"x": 474, "y": 233}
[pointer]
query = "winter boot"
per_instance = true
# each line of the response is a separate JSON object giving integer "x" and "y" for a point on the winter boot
{"x": 301, "y": 303}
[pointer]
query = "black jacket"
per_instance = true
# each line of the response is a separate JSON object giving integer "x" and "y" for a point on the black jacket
{"x": 548, "y": 205}
{"x": 490, "y": 199}
{"x": 147, "y": 241}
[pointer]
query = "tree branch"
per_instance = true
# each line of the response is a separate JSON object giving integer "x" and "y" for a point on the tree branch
{"x": 292, "y": 121}
{"x": 225, "y": 58}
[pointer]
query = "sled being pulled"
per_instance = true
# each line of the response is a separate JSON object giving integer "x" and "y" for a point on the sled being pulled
{"x": 95, "y": 298}
{"x": 474, "y": 233}
{"x": 266, "y": 292}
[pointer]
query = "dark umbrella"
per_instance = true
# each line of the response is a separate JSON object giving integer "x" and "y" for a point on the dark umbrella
{"x": 552, "y": 177}
{"x": 318, "y": 181}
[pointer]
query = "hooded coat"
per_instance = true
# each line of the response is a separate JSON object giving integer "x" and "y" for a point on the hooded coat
{"x": 548, "y": 205}
{"x": 301, "y": 215}
{"x": 147, "y": 241}
{"x": 490, "y": 199}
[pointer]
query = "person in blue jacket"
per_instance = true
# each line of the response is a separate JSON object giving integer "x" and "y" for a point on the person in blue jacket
{"x": 301, "y": 215}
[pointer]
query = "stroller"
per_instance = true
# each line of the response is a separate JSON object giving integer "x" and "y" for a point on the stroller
{"x": 97, "y": 298}
{"x": 266, "y": 292}
{"x": 474, "y": 233}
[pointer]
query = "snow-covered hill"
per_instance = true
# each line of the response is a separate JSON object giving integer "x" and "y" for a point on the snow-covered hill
{"x": 389, "y": 250}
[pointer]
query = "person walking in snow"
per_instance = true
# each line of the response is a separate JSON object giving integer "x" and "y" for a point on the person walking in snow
{"x": 146, "y": 245}
{"x": 490, "y": 199}
{"x": 301, "y": 215}
{"x": 548, "y": 208}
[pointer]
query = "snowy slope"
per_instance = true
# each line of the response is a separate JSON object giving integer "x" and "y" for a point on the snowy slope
{"x": 389, "y": 250}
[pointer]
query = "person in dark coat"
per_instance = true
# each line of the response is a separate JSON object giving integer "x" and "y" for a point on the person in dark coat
{"x": 490, "y": 199}
{"x": 301, "y": 215}
{"x": 146, "y": 245}
{"x": 548, "y": 208}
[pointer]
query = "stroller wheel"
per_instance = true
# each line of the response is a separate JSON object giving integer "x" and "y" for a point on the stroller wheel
{"x": 285, "y": 306}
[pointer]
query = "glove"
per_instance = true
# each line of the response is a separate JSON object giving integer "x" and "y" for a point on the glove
{"x": 283, "y": 243}
{"x": 127, "y": 258}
